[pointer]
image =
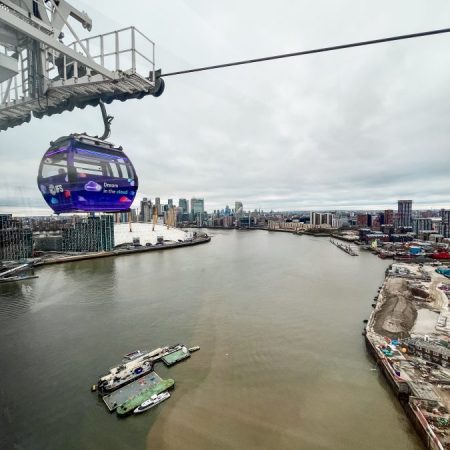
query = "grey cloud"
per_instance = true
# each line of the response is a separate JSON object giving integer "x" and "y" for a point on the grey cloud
{"x": 355, "y": 128}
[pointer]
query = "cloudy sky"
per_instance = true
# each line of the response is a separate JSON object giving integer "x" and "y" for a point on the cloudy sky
{"x": 357, "y": 128}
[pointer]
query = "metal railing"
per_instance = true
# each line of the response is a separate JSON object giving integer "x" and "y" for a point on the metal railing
{"x": 122, "y": 51}
{"x": 18, "y": 86}
{"x": 116, "y": 51}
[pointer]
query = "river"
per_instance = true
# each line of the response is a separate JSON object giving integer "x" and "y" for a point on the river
{"x": 282, "y": 363}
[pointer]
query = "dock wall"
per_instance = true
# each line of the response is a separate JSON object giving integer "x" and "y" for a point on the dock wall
{"x": 154, "y": 248}
{"x": 402, "y": 391}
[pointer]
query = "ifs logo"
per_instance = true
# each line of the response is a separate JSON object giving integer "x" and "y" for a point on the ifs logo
{"x": 54, "y": 189}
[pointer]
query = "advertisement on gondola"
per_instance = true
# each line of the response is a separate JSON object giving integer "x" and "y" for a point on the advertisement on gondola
{"x": 78, "y": 177}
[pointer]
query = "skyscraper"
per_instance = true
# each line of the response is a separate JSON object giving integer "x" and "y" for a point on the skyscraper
{"x": 404, "y": 214}
{"x": 237, "y": 207}
{"x": 197, "y": 207}
{"x": 444, "y": 227}
{"x": 183, "y": 203}
{"x": 145, "y": 213}
{"x": 158, "y": 205}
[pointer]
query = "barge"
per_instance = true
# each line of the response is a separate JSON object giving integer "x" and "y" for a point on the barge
{"x": 137, "y": 364}
{"x": 130, "y": 405}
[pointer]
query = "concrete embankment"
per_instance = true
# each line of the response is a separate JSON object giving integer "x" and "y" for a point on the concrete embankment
{"x": 120, "y": 252}
{"x": 412, "y": 350}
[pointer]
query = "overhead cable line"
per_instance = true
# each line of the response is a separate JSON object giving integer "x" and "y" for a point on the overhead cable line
{"x": 309, "y": 52}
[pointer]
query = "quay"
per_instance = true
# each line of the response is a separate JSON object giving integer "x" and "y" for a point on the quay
{"x": 345, "y": 248}
{"x": 154, "y": 248}
{"x": 408, "y": 336}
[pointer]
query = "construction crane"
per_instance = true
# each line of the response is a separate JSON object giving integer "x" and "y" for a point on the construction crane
{"x": 40, "y": 75}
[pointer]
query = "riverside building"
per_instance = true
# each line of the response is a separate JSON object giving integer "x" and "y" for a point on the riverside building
{"x": 93, "y": 234}
{"x": 16, "y": 239}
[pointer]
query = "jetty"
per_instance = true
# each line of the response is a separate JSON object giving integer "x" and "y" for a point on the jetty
{"x": 346, "y": 248}
{"x": 134, "y": 381}
{"x": 16, "y": 272}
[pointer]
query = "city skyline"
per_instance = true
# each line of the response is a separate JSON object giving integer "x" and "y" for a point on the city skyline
{"x": 318, "y": 132}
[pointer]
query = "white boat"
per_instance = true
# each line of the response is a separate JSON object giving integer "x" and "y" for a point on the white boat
{"x": 151, "y": 402}
{"x": 194, "y": 349}
{"x": 133, "y": 355}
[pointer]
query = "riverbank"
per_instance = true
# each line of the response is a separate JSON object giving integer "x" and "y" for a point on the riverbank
{"x": 121, "y": 252}
{"x": 225, "y": 297}
{"x": 408, "y": 336}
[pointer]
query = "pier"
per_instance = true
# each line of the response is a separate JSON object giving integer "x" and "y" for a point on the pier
{"x": 346, "y": 248}
{"x": 129, "y": 391}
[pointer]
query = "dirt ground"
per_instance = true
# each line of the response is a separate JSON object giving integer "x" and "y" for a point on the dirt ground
{"x": 397, "y": 315}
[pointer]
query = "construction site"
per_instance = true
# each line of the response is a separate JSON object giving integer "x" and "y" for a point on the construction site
{"x": 408, "y": 334}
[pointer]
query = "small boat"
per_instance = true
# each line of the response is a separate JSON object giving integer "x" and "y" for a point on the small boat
{"x": 151, "y": 402}
{"x": 133, "y": 355}
{"x": 194, "y": 349}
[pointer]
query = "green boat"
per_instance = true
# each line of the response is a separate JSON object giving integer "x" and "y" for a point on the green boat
{"x": 130, "y": 405}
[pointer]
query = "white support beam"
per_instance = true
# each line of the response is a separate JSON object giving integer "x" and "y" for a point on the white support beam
{"x": 9, "y": 67}
{"x": 20, "y": 25}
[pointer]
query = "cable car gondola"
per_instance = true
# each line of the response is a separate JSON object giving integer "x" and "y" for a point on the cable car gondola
{"x": 79, "y": 173}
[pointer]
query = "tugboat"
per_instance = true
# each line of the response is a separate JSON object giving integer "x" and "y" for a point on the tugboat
{"x": 151, "y": 402}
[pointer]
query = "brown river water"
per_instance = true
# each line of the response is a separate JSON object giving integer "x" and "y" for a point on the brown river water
{"x": 282, "y": 363}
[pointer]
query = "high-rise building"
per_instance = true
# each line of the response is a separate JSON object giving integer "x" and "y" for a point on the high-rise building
{"x": 16, "y": 240}
{"x": 388, "y": 217}
{"x": 145, "y": 214}
{"x": 318, "y": 218}
{"x": 93, "y": 234}
{"x": 362, "y": 220}
{"x": 158, "y": 205}
{"x": 404, "y": 213}
{"x": 238, "y": 206}
{"x": 183, "y": 203}
{"x": 197, "y": 207}
{"x": 170, "y": 203}
{"x": 375, "y": 222}
{"x": 420, "y": 224}
{"x": 444, "y": 227}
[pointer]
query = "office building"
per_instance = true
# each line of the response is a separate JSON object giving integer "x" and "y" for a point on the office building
{"x": 197, "y": 207}
{"x": 145, "y": 213}
{"x": 158, "y": 205}
{"x": 183, "y": 204}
